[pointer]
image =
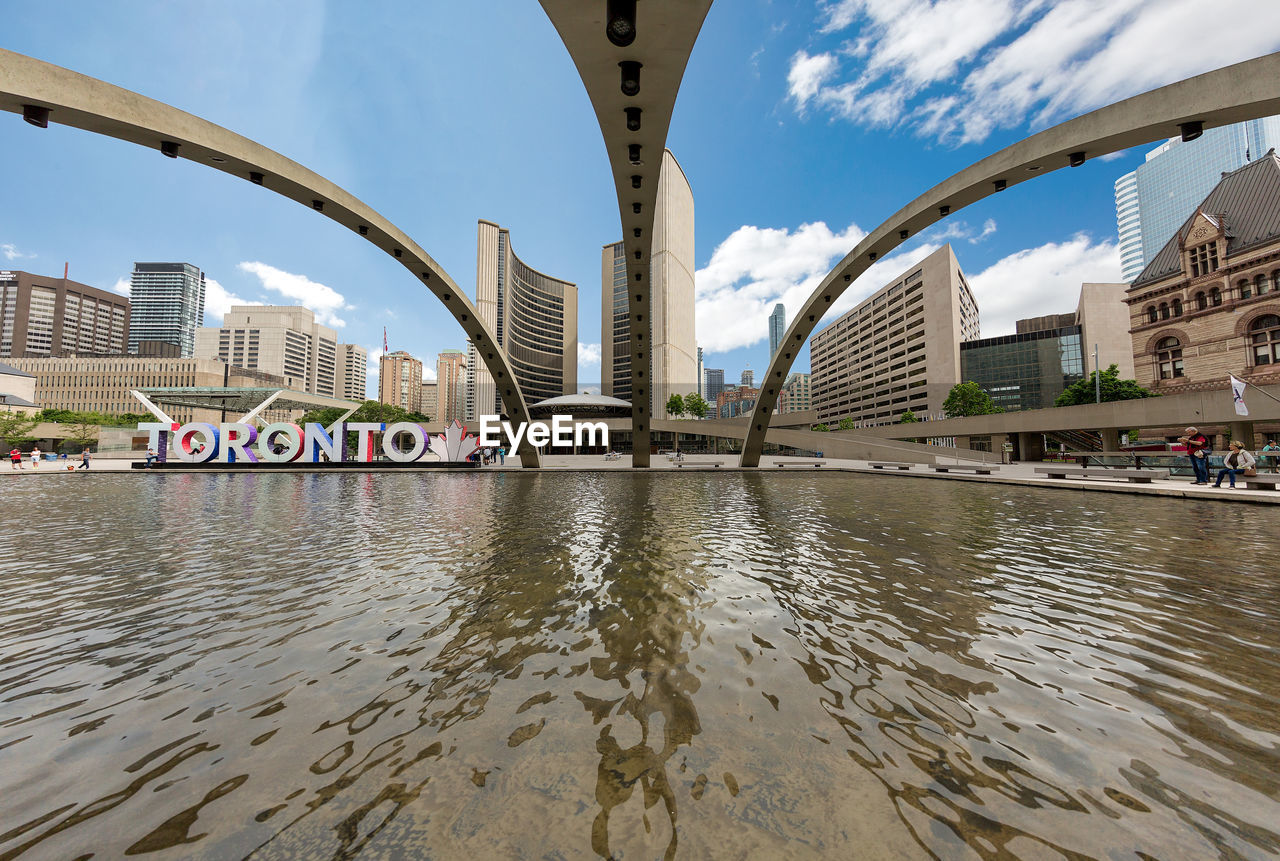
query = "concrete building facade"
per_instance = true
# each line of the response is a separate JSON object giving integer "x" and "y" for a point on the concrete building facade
{"x": 167, "y": 304}
{"x": 1207, "y": 305}
{"x": 430, "y": 400}
{"x": 103, "y": 384}
{"x": 451, "y": 386}
{"x": 673, "y": 353}
{"x": 53, "y": 316}
{"x": 1153, "y": 201}
{"x": 897, "y": 350}
{"x": 534, "y": 318}
{"x": 285, "y": 341}
{"x": 353, "y": 373}
{"x": 400, "y": 381}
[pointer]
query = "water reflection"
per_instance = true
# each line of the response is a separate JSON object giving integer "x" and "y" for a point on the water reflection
{"x": 633, "y": 666}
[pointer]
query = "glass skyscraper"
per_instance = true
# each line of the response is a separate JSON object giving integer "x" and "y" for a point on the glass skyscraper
{"x": 1153, "y": 201}
{"x": 1026, "y": 371}
{"x": 777, "y": 328}
{"x": 166, "y": 304}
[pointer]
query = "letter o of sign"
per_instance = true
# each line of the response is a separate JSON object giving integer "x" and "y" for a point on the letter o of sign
{"x": 415, "y": 432}
{"x": 286, "y": 432}
{"x": 191, "y": 450}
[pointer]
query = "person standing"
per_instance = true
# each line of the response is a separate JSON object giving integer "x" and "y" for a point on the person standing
{"x": 15, "y": 457}
{"x": 502, "y": 455}
{"x": 1236, "y": 462}
{"x": 1274, "y": 451}
{"x": 1198, "y": 451}
{"x": 84, "y": 459}
{"x": 35, "y": 457}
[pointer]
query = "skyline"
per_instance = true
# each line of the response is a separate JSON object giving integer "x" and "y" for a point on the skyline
{"x": 516, "y": 143}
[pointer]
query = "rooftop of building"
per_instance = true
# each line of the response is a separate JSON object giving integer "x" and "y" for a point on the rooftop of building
{"x": 11, "y": 371}
{"x": 1247, "y": 199}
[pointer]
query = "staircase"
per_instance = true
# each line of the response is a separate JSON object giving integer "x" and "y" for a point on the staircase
{"x": 1074, "y": 440}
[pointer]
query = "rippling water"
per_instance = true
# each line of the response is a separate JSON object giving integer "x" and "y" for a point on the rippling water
{"x": 529, "y": 666}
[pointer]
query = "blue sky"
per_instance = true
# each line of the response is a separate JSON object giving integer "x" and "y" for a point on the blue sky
{"x": 801, "y": 125}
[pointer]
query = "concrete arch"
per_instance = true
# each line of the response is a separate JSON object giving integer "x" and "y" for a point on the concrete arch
{"x": 86, "y": 103}
{"x": 1244, "y": 91}
{"x": 665, "y": 31}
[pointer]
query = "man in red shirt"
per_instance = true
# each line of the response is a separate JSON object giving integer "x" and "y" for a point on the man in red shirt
{"x": 1198, "y": 450}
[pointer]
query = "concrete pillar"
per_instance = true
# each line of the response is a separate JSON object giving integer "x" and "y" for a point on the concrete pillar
{"x": 1243, "y": 431}
{"x": 1110, "y": 439}
{"x": 962, "y": 442}
{"x": 1030, "y": 446}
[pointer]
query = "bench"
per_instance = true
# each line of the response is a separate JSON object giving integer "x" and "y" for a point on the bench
{"x": 1138, "y": 476}
{"x": 683, "y": 463}
{"x": 976, "y": 468}
{"x": 781, "y": 463}
{"x": 1260, "y": 482}
{"x": 889, "y": 464}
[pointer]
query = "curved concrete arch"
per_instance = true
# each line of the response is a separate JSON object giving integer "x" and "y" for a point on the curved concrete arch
{"x": 1244, "y": 91}
{"x": 87, "y": 103}
{"x": 665, "y": 31}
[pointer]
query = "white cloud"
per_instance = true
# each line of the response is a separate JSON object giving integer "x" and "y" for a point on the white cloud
{"x": 319, "y": 298}
{"x": 754, "y": 268}
{"x": 428, "y": 373}
{"x": 11, "y": 252}
{"x": 1041, "y": 280}
{"x": 956, "y": 70}
{"x": 588, "y": 354}
{"x": 217, "y": 300}
{"x": 125, "y": 288}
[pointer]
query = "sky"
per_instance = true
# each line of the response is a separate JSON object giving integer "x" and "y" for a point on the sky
{"x": 801, "y": 125}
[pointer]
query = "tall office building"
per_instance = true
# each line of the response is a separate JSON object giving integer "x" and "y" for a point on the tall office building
{"x": 353, "y": 373}
{"x": 777, "y": 328}
{"x": 430, "y": 400}
{"x": 748, "y": 378}
{"x": 400, "y": 381}
{"x": 534, "y": 318}
{"x": 167, "y": 301}
{"x": 56, "y": 316}
{"x": 1152, "y": 202}
{"x": 673, "y": 355}
{"x": 713, "y": 384}
{"x": 796, "y": 394}
{"x": 899, "y": 349}
{"x": 282, "y": 340}
{"x": 451, "y": 386}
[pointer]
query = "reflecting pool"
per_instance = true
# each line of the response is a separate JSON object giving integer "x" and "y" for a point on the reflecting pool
{"x": 639, "y": 666}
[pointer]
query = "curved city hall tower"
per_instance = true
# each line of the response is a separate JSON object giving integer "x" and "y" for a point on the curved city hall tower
{"x": 535, "y": 319}
{"x": 674, "y": 368}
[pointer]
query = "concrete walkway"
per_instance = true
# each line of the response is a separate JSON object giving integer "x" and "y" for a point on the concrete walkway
{"x": 1018, "y": 473}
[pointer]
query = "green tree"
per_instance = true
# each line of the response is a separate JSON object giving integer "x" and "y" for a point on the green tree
{"x": 15, "y": 428}
{"x": 1113, "y": 389}
{"x": 696, "y": 405}
{"x": 968, "y": 399}
{"x": 821, "y": 428}
{"x": 908, "y": 418}
{"x": 846, "y": 423}
{"x": 675, "y": 406}
{"x": 83, "y": 433}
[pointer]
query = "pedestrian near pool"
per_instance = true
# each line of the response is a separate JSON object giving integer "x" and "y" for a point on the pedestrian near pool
{"x": 84, "y": 459}
{"x": 15, "y": 457}
{"x": 502, "y": 456}
{"x": 1198, "y": 451}
{"x": 1238, "y": 461}
{"x": 1274, "y": 450}
{"x": 151, "y": 456}
{"x": 35, "y": 457}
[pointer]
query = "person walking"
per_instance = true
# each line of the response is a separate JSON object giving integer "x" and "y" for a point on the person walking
{"x": 35, "y": 457}
{"x": 84, "y": 459}
{"x": 1237, "y": 461}
{"x": 1274, "y": 451}
{"x": 15, "y": 457}
{"x": 1198, "y": 451}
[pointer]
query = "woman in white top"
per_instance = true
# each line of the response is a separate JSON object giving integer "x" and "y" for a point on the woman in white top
{"x": 35, "y": 457}
{"x": 1236, "y": 462}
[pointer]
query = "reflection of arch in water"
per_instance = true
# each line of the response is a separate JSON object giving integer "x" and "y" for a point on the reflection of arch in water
{"x": 69, "y": 98}
{"x": 1241, "y": 92}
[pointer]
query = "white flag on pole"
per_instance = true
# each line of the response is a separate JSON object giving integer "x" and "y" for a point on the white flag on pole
{"x": 1237, "y": 395}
